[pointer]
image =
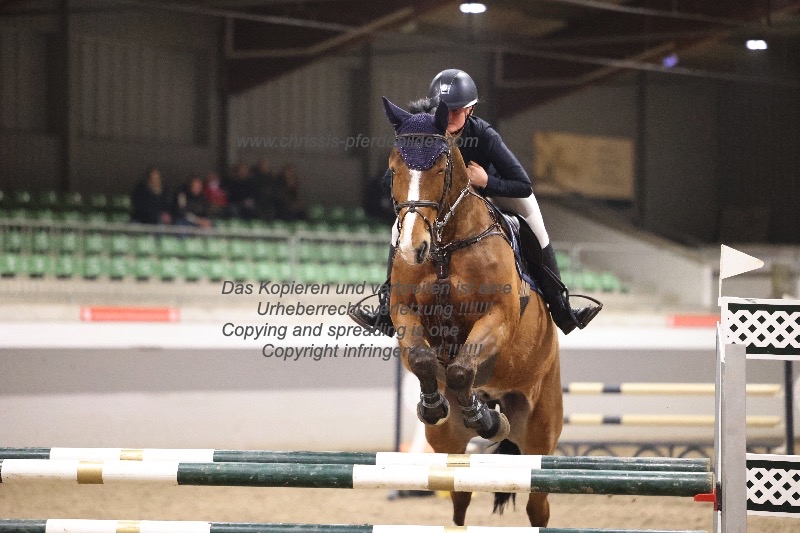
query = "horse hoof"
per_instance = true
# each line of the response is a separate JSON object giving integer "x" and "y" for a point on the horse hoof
{"x": 434, "y": 416}
{"x": 500, "y": 428}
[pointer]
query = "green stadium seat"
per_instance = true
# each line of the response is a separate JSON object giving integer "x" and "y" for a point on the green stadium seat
{"x": 354, "y": 273}
{"x": 94, "y": 266}
{"x": 609, "y": 282}
{"x": 120, "y": 244}
{"x": 337, "y": 214}
{"x": 170, "y": 246}
{"x": 120, "y": 203}
{"x": 11, "y": 265}
{"x": 72, "y": 200}
{"x": 21, "y": 199}
{"x": 95, "y": 243}
{"x": 98, "y": 202}
{"x": 590, "y": 281}
{"x": 144, "y": 268}
{"x": 348, "y": 253}
{"x": 120, "y": 267}
{"x": 17, "y": 241}
{"x": 242, "y": 271}
{"x": 571, "y": 280}
{"x": 39, "y": 265}
{"x": 309, "y": 273}
{"x": 194, "y": 269}
{"x": 301, "y": 225}
{"x": 44, "y": 215}
{"x": 194, "y": 247}
{"x": 239, "y": 249}
{"x": 563, "y": 260}
{"x": 21, "y": 214}
{"x": 341, "y": 228}
{"x": 96, "y": 218}
{"x": 375, "y": 274}
{"x": 146, "y": 245}
{"x": 272, "y": 271}
{"x": 70, "y": 216}
{"x": 66, "y": 266}
{"x": 236, "y": 224}
{"x": 170, "y": 269}
{"x": 48, "y": 199}
{"x": 216, "y": 247}
{"x": 358, "y": 215}
{"x": 309, "y": 252}
{"x": 260, "y": 249}
{"x": 333, "y": 273}
{"x": 119, "y": 218}
{"x": 374, "y": 253}
{"x": 330, "y": 252}
{"x": 316, "y": 212}
{"x": 217, "y": 270}
{"x": 40, "y": 242}
{"x": 258, "y": 225}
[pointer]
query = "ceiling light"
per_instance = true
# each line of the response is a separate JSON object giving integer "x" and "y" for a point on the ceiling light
{"x": 756, "y": 44}
{"x": 670, "y": 60}
{"x": 472, "y": 7}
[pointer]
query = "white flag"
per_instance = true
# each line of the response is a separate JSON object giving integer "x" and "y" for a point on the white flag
{"x": 733, "y": 262}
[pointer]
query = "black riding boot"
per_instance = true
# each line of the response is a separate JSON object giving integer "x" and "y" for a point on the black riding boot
{"x": 379, "y": 319}
{"x": 556, "y": 296}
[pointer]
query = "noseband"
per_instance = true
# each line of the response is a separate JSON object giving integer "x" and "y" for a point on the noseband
{"x": 413, "y": 205}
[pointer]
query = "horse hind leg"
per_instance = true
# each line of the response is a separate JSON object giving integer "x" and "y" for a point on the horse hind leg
{"x": 488, "y": 423}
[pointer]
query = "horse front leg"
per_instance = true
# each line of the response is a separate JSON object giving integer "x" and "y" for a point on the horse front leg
{"x": 486, "y": 336}
{"x": 433, "y": 408}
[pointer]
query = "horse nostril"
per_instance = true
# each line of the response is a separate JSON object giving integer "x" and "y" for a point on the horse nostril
{"x": 422, "y": 252}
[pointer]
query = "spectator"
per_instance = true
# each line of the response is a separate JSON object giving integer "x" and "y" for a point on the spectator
{"x": 191, "y": 207}
{"x": 216, "y": 196}
{"x": 265, "y": 183}
{"x": 150, "y": 201}
{"x": 287, "y": 195}
{"x": 242, "y": 192}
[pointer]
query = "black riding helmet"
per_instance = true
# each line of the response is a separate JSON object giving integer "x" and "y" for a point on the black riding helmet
{"x": 455, "y": 88}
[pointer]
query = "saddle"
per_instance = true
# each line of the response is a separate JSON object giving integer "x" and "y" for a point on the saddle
{"x": 526, "y": 247}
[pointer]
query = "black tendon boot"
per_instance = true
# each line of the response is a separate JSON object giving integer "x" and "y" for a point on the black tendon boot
{"x": 556, "y": 296}
{"x": 378, "y": 319}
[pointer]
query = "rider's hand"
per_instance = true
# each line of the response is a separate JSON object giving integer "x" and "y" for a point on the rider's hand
{"x": 477, "y": 176}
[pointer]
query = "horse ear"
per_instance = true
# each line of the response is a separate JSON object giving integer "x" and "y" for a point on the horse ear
{"x": 395, "y": 114}
{"x": 441, "y": 117}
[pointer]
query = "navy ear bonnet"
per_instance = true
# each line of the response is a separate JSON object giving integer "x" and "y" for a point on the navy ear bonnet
{"x": 420, "y": 153}
{"x": 420, "y": 138}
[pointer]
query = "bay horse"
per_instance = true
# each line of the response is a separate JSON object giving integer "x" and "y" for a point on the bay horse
{"x": 468, "y": 326}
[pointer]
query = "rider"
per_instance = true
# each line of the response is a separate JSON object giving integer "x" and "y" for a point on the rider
{"x": 494, "y": 172}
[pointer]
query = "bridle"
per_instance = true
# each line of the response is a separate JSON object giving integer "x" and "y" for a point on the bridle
{"x": 440, "y": 251}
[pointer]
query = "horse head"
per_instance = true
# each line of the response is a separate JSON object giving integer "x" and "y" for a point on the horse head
{"x": 421, "y": 168}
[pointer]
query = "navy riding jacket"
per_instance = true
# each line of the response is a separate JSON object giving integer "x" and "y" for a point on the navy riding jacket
{"x": 481, "y": 143}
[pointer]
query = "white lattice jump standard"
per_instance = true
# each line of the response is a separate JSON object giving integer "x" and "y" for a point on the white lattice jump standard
{"x": 762, "y": 484}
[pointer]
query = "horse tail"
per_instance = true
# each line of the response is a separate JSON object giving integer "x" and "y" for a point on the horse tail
{"x": 501, "y": 499}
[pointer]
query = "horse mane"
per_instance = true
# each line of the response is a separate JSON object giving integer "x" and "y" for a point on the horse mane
{"x": 423, "y": 105}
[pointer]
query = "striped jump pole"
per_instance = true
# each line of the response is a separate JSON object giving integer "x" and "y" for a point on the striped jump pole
{"x": 663, "y": 389}
{"x": 592, "y": 419}
{"x": 152, "y": 526}
{"x": 545, "y": 462}
{"x": 399, "y": 477}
